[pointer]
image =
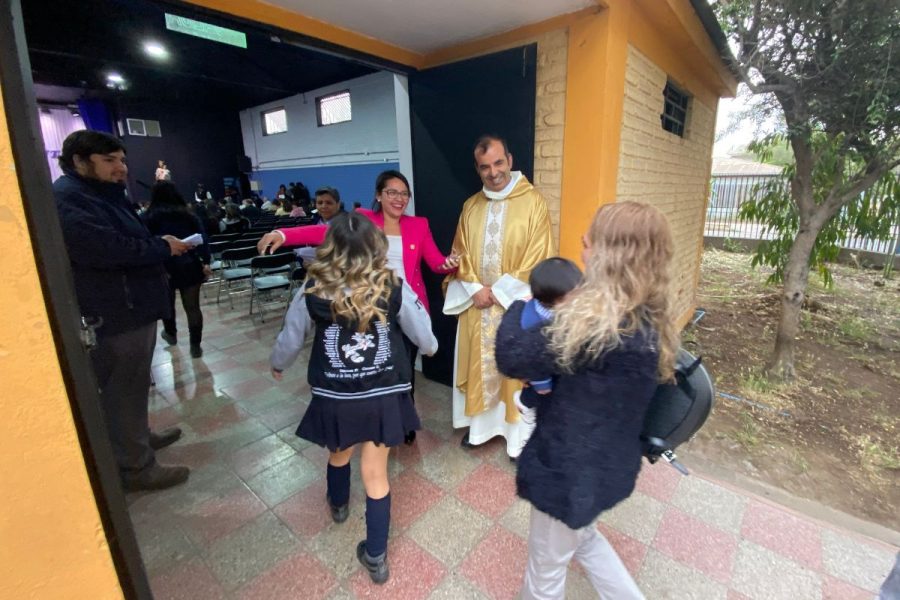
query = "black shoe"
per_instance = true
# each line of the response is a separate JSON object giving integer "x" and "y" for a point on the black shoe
{"x": 377, "y": 566}
{"x": 409, "y": 438}
{"x": 156, "y": 477}
{"x": 338, "y": 513}
{"x": 196, "y": 351}
{"x": 164, "y": 438}
{"x": 170, "y": 338}
{"x": 464, "y": 442}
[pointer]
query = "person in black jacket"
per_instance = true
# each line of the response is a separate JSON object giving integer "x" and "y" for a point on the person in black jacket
{"x": 609, "y": 343}
{"x": 169, "y": 215}
{"x": 120, "y": 282}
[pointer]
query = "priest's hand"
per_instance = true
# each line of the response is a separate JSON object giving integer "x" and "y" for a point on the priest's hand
{"x": 483, "y": 298}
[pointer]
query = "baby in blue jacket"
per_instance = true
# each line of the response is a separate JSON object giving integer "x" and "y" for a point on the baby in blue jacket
{"x": 550, "y": 281}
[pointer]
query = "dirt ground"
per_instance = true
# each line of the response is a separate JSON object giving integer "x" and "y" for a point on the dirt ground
{"x": 832, "y": 435}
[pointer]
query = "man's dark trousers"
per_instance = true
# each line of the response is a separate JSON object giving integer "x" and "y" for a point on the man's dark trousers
{"x": 122, "y": 366}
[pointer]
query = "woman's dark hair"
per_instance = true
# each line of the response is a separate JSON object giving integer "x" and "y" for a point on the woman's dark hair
{"x": 327, "y": 189}
{"x": 552, "y": 279}
{"x": 382, "y": 180}
{"x": 84, "y": 143}
{"x": 165, "y": 196}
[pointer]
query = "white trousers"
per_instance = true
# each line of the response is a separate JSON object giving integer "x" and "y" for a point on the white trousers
{"x": 552, "y": 544}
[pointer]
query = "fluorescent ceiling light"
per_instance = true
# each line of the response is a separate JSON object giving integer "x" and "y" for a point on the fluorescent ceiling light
{"x": 156, "y": 50}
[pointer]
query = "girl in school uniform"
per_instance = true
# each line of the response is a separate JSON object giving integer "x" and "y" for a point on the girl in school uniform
{"x": 357, "y": 311}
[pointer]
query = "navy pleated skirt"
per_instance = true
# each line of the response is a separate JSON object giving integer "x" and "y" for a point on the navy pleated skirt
{"x": 339, "y": 424}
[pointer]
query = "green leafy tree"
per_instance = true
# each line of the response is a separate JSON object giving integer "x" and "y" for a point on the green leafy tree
{"x": 832, "y": 70}
{"x": 873, "y": 214}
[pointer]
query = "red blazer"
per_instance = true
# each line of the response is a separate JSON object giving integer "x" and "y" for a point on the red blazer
{"x": 418, "y": 245}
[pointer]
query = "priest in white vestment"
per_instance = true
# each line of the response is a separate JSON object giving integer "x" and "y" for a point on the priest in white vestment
{"x": 503, "y": 233}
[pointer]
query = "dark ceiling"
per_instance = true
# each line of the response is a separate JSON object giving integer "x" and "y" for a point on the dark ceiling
{"x": 75, "y": 44}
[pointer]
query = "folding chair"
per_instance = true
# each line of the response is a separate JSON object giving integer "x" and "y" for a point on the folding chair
{"x": 270, "y": 274}
{"x": 215, "y": 264}
{"x": 223, "y": 237}
{"x": 235, "y": 271}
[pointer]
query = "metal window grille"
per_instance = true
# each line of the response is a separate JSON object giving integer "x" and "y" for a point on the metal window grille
{"x": 334, "y": 108}
{"x": 674, "y": 115}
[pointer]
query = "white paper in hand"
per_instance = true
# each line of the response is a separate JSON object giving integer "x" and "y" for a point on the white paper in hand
{"x": 193, "y": 240}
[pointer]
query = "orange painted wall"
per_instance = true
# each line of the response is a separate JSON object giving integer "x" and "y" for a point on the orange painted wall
{"x": 52, "y": 544}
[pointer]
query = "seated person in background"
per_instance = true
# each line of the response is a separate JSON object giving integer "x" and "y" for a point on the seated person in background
{"x": 233, "y": 222}
{"x": 266, "y": 205}
{"x": 297, "y": 211}
{"x": 282, "y": 193}
{"x": 249, "y": 210}
{"x": 213, "y": 214}
{"x": 284, "y": 208}
{"x": 550, "y": 281}
{"x": 328, "y": 205}
{"x": 201, "y": 194}
{"x": 357, "y": 205}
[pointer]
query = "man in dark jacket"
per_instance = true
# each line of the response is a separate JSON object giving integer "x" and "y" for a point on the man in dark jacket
{"x": 119, "y": 278}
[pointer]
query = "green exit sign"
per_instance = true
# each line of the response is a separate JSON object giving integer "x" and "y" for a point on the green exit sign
{"x": 206, "y": 31}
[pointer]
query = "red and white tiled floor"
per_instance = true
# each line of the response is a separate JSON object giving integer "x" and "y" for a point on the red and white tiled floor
{"x": 252, "y": 523}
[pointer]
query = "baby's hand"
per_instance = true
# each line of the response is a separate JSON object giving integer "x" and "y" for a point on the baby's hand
{"x": 276, "y": 374}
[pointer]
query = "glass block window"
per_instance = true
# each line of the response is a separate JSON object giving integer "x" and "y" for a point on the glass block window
{"x": 334, "y": 108}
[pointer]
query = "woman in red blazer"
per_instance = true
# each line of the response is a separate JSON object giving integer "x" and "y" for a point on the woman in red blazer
{"x": 409, "y": 240}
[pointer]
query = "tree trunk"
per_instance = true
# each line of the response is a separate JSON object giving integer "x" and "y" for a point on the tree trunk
{"x": 796, "y": 278}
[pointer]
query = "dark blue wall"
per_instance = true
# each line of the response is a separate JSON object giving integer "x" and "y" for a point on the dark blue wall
{"x": 356, "y": 183}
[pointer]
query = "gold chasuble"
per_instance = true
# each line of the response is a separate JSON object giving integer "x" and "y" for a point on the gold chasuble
{"x": 500, "y": 240}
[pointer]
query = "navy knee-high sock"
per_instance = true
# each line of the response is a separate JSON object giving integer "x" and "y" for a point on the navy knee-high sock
{"x": 378, "y": 521}
{"x": 338, "y": 479}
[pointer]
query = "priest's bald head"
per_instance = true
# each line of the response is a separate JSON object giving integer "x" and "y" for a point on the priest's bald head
{"x": 493, "y": 162}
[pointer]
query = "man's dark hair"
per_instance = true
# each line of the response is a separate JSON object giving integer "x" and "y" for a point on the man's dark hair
{"x": 327, "y": 189}
{"x": 552, "y": 279}
{"x": 84, "y": 143}
{"x": 485, "y": 141}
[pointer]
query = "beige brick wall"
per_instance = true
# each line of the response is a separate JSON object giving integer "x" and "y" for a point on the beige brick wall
{"x": 550, "y": 119}
{"x": 665, "y": 170}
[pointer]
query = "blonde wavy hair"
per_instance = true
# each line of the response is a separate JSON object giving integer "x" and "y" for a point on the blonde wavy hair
{"x": 351, "y": 270}
{"x": 625, "y": 289}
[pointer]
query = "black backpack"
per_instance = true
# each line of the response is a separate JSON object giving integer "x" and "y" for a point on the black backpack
{"x": 677, "y": 410}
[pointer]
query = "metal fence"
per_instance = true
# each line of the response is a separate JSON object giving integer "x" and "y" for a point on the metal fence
{"x": 727, "y": 193}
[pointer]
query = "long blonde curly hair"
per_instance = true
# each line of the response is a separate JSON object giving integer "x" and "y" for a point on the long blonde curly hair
{"x": 625, "y": 289}
{"x": 351, "y": 270}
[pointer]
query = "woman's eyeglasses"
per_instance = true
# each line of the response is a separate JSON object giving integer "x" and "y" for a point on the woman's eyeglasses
{"x": 390, "y": 193}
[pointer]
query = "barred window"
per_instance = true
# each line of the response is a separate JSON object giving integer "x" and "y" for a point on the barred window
{"x": 675, "y": 105}
{"x": 334, "y": 108}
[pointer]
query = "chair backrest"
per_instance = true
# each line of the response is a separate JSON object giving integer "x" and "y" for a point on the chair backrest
{"x": 216, "y": 248}
{"x": 235, "y": 254}
{"x": 223, "y": 237}
{"x": 272, "y": 261}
